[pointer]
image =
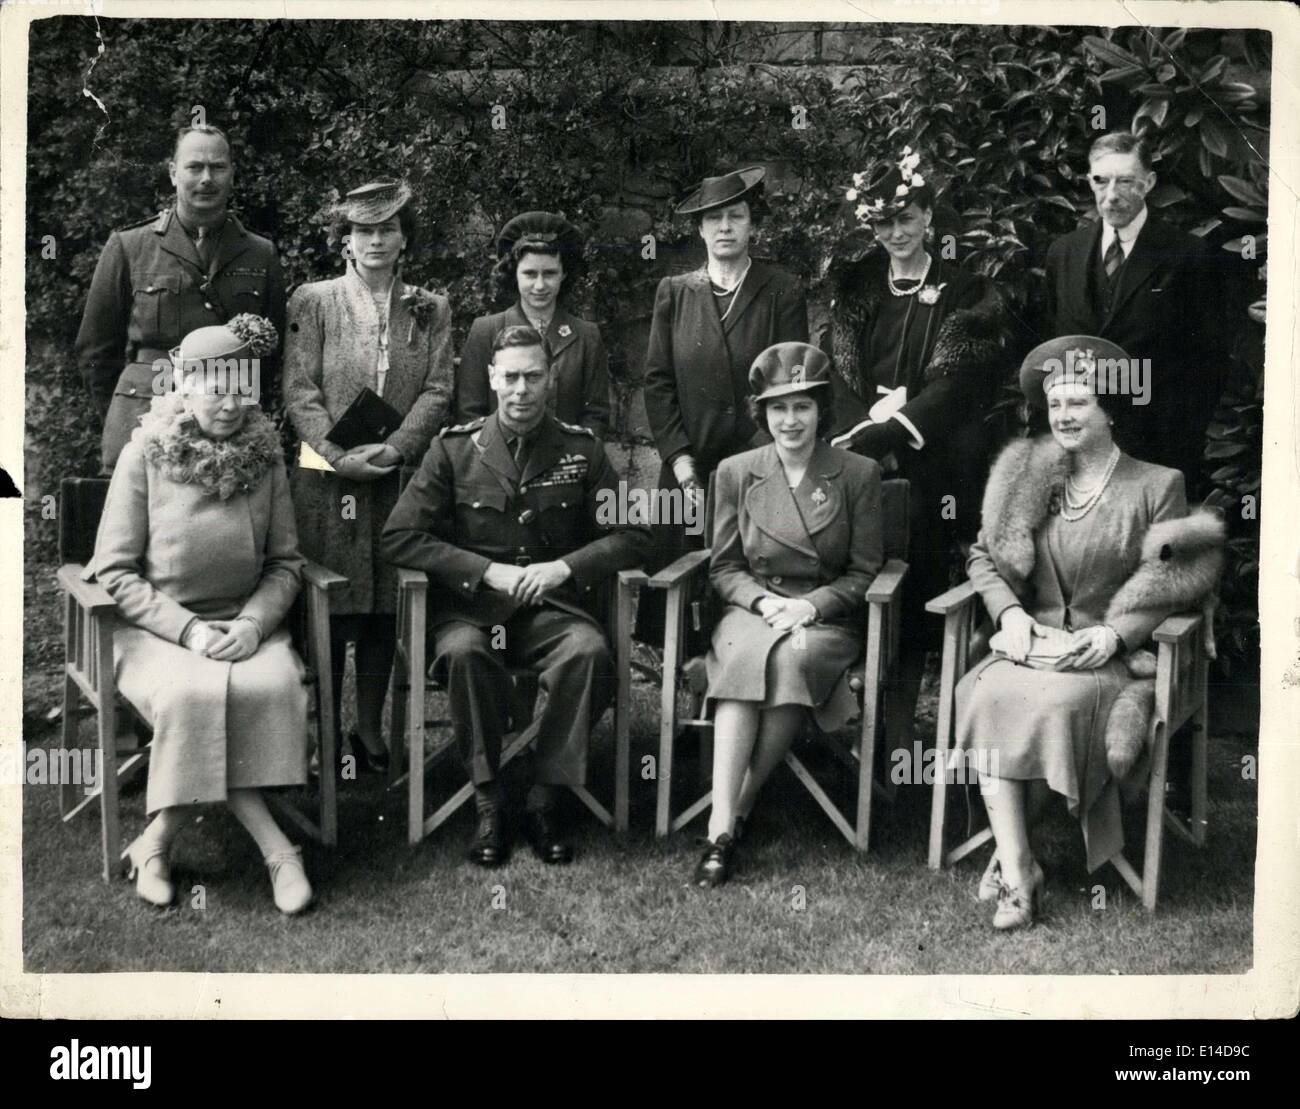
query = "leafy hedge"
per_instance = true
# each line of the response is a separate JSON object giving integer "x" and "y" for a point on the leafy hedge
{"x": 595, "y": 125}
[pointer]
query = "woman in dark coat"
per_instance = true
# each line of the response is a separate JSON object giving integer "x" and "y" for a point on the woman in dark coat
{"x": 539, "y": 259}
{"x": 918, "y": 346}
{"x": 1082, "y": 552}
{"x": 708, "y": 327}
{"x": 366, "y": 329}
{"x": 198, "y": 548}
{"x": 796, "y": 543}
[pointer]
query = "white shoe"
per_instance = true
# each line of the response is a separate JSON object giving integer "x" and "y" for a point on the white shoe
{"x": 289, "y": 881}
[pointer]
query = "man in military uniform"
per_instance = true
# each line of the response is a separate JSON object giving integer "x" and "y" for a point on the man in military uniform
{"x": 192, "y": 266}
{"x": 503, "y": 517}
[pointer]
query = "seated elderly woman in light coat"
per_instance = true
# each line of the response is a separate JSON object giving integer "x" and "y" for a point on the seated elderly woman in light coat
{"x": 796, "y": 542}
{"x": 1083, "y": 550}
{"x": 197, "y": 546}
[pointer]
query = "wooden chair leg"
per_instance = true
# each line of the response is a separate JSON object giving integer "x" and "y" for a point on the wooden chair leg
{"x": 943, "y": 740}
{"x": 668, "y": 710}
{"x": 622, "y": 705}
{"x": 870, "y": 713}
{"x": 110, "y": 828}
{"x": 1200, "y": 758}
{"x": 318, "y": 631}
{"x": 1155, "y": 817}
{"x": 416, "y": 617}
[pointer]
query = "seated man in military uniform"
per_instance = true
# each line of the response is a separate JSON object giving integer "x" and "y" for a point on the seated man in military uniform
{"x": 502, "y": 516}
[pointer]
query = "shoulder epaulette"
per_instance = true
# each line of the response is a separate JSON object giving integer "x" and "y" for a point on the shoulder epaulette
{"x": 577, "y": 429}
{"x": 461, "y": 429}
{"x": 144, "y": 222}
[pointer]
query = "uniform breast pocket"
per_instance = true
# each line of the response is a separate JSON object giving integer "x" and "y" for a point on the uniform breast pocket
{"x": 480, "y": 502}
{"x": 242, "y": 290}
{"x": 156, "y": 309}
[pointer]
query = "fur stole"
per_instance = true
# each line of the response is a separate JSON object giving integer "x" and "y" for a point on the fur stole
{"x": 175, "y": 446}
{"x": 968, "y": 340}
{"x": 1179, "y": 568}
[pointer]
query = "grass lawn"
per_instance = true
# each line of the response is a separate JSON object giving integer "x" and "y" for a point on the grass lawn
{"x": 803, "y": 900}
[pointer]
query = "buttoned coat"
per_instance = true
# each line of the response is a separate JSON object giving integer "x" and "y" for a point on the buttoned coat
{"x": 331, "y": 354}
{"x": 697, "y": 364}
{"x": 148, "y": 292}
{"x": 822, "y": 541}
{"x": 469, "y": 506}
{"x": 1167, "y": 309}
{"x": 577, "y": 355}
{"x": 167, "y": 553}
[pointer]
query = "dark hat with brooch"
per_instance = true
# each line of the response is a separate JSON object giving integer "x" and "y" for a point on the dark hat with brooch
{"x": 788, "y": 368}
{"x": 1065, "y": 358}
{"x": 547, "y": 231}
{"x": 730, "y": 188}
{"x": 373, "y": 202}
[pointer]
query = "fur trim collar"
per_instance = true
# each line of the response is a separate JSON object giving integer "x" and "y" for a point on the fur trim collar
{"x": 1182, "y": 561}
{"x": 174, "y": 445}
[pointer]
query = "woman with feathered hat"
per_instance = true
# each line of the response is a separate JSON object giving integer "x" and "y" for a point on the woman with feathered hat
{"x": 367, "y": 329}
{"x": 197, "y": 546}
{"x": 539, "y": 259}
{"x": 1082, "y": 552}
{"x": 918, "y": 346}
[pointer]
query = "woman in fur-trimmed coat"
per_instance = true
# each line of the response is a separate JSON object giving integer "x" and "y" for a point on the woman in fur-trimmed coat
{"x": 920, "y": 344}
{"x": 1082, "y": 552}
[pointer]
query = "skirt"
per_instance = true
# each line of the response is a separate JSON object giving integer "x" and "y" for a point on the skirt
{"x": 217, "y": 726}
{"x": 752, "y": 661}
{"x": 1028, "y": 724}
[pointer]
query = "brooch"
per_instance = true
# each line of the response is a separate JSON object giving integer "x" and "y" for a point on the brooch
{"x": 564, "y": 331}
{"x": 819, "y": 495}
{"x": 930, "y": 294}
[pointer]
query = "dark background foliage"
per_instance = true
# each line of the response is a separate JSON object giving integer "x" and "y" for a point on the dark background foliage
{"x": 609, "y": 123}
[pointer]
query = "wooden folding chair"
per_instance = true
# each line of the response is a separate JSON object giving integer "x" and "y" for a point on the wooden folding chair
{"x": 1182, "y": 670}
{"x": 90, "y": 621}
{"x": 411, "y": 682}
{"x": 884, "y": 603}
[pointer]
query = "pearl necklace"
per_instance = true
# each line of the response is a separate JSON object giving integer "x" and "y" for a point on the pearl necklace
{"x": 1082, "y": 508}
{"x": 734, "y": 289}
{"x": 889, "y": 277}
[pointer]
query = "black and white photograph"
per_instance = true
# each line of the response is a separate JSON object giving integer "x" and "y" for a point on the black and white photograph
{"x": 656, "y": 493}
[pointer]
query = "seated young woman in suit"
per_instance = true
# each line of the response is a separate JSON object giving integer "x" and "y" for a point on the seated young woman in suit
{"x": 796, "y": 542}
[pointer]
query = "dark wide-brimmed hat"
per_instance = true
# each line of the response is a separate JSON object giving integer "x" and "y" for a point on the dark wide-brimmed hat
{"x": 888, "y": 187}
{"x": 788, "y": 368}
{"x": 546, "y": 230}
{"x": 715, "y": 192}
{"x": 1067, "y": 357}
{"x": 373, "y": 202}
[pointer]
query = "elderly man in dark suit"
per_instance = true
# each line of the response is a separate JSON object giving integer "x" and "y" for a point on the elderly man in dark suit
{"x": 507, "y": 516}
{"x": 194, "y": 265}
{"x": 1153, "y": 290}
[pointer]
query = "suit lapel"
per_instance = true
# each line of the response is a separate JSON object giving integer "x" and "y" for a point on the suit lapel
{"x": 496, "y": 456}
{"x": 771, "y": 507}
{"x": 556, "y": 342}
{"x": 820, "y": 495}
{"x": 233, "y": 242}
{"x": 705, "y": 310}
{"x": 179, "y": 244}
{"x": 757, "y": 277}
{"x": 1141, "y": 263}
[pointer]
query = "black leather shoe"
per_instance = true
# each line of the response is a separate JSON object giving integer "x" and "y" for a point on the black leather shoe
{"x": 489, "y": 847}
{"x": 367, "y": 763}
{"x": 716, "y": 863}
{"x": 543, "y": 832}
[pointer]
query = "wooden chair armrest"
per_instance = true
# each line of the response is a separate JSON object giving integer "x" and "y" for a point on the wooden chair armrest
{"x": 633, "y": 578}
{"x": 1177, "y": 629}
{"x": 952, "y": 600}
{"x": 318, "y": 577}
{"x": 89, "y": 595}
{"x": 888, "y": 584}
{"x": 677, "y": 572}
{"x": 409, "y": 580}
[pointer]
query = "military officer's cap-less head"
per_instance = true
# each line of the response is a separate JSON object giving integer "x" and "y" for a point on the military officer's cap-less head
{"x": 717, "y": 192}
{"x": 1065, "y": 358}
{"x": 789, "y": 368}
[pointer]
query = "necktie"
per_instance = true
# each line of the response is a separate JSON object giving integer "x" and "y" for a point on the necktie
{"x": 1112, "y": 261}
{"x": 203, "y": 245}
{"x": 520, "y": 450}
